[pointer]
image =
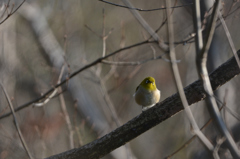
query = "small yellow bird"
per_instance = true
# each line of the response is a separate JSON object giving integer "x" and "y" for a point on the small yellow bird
{"x": 147, "y": 94}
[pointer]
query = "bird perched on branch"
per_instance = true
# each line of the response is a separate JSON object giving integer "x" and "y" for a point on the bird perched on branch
{"x": 147, "y": 94}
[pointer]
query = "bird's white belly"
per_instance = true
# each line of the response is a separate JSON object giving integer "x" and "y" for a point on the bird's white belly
{"x": 146, "y": 98}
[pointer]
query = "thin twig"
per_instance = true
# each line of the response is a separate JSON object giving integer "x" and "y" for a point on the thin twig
{"x": 110, "y": 73}
{"x": 178, "y": 81}
{"x": 103, "y": 38}
{"x": 146, "y": 26}
{"x": 230, "y": 41}
{"x": 12, "y": 12}
{"x": 105, "y": 93}
{"x": 16, "y": 123}
{"x": 67, "y": 118}
{"x": 65, "y": 112}
{"x": 145, "y": 10}
{"x": 193, "y": 137}
{"x": 90, "y": 29}
{"x": 109, "y": 103}
{"x": 164, "y": 22}
{"x": 102, "y": 83}
{"x": 151, "y": 117}
{"x": 153, "y": 51}
{"x": 233, "y": 113}
{"x": 201, "y": 59}
{"x": 40, "y": 104}
{"x": 41, "y": 141}
{"x": 6, "y": 7}
{"x": 99, "y": 60}
{"x": 130, "y": 63}
{"x": 77, "y": 130}
{"x": 232, "y": 12}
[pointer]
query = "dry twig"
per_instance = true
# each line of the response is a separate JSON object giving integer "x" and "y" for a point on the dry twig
{"x": 16, "y": 123}
{"x": 145, "y": 10}
{"x": 151, "y": 117}
{"x": 178, "y": 81}
{"x": 11, "y": 12}
{"x": 201, "y": 59}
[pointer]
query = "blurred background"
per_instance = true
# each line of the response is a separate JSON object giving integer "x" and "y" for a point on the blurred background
{"x": 44, "y": 37}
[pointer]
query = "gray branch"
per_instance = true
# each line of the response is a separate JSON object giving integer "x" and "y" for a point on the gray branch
{"x": 150, "y": 118}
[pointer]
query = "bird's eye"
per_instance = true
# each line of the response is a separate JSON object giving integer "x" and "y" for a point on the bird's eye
{"x": 147, "y": 81}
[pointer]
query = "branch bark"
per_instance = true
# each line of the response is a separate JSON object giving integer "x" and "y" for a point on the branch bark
{"x": 150, "y": 118}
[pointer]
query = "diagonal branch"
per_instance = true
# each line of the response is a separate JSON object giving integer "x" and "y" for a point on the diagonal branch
{"x": 146, "y": 26}
{"x": 230, "y": 40}
{"x": 16, "y": 123}
{"x": 12, "y": 11}
{"x": 201, "y": 60}
{"x": 150, "y": 118}
{"x": 178, "y": 82}
{"x": 99, "y": 60}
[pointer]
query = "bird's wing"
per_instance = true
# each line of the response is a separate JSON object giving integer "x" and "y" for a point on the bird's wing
{"x": 137, "y": 88}
{"x": 135, "y": 91}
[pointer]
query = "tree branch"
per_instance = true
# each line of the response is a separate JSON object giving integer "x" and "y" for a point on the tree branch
{"x": 201, "y": 60}
{"x": 145, "y": 10}
{"x": 16, "y": 123}
{"x": 179, "y": 85}
{"x": 46, "y": 94}
{"x": 150, "y": 118}
{"x": 11, "y": 12}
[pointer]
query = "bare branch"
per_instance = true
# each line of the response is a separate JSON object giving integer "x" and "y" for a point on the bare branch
{"x": 233, "y": 113}
{"x": 145, "y": 10}
{"x": 16, "y": 123}
{"x": 40, "y": 104}
{"x": 178, "y": 82}
{"x": 230, "y": 41}
{"x": 151, "y": 117}
{"x": 65, "y": 112}
{"x": 99, "y": 60}
{"x": 130, "y": 63}
{"x": 146, "y": 26}
{"x": 193, "y": 137}
{"x": 11, "y": 12}
{"x": 201, "y": 60}
{"x": 5, "y": 10}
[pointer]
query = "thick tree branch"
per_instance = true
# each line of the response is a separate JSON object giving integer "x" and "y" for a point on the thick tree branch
{"x": 150, "y": 118}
